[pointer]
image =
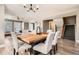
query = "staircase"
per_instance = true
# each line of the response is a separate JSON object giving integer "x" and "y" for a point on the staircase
{"x": 69, "y": 32}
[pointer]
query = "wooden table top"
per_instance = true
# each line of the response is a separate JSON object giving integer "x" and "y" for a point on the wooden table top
{"x": 31, "y": 38}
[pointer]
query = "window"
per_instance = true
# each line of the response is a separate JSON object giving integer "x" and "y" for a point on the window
{"x": 33, "y": 24}
{"x": 17, "y": 27}
{"x": 8, "y": 26}
{"x": 26, "y": 25}
{"x": 12, "y": 25}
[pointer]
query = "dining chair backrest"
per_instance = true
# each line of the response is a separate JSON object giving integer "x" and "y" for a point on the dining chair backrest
{"x": 56, "y": 38}
{"x": 14, "y": 40}
{"x": 25, "y": 32}
{"x": 33, "y": 32}
{"x": 49, "y": 40}
{"x": 48, "y": 31}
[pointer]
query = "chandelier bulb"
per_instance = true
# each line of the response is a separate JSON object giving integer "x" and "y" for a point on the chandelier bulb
{"x": 31, "y": 8}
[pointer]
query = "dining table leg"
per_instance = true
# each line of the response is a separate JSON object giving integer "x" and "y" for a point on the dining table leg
{"x": 31, "y": 49}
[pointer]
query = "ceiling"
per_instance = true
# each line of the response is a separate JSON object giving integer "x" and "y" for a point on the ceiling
{"x": 45, "y": 10}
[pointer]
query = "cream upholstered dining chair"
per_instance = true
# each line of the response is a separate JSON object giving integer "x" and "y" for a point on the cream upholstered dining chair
{"x": 48, "y": 31}
{"x": 24, "y": 32}
{"x": 33, "y": 32}
{"x": 45, "y": 47}
{"x": 54, "y": 43}
{"x": 16, "y": 46}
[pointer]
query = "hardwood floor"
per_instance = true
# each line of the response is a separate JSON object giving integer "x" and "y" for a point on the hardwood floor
{"x": 67, "y": 47}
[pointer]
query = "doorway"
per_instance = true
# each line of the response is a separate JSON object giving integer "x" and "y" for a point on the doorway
{"x": 49, "y": 25}
{"x": 69, "y": 27}
{"x": 69, "y": 32}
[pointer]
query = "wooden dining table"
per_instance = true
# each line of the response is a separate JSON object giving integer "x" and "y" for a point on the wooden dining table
{"x": 33, "y": 38}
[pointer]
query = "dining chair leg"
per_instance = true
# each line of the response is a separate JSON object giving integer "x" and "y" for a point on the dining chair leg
{"x": 51, "y": 52}
{"x": 17, "y": 53}
{"x": 31, "y": 51}
{"x": 14, "y": 51}
{"x": 34, "y": 52}
{"x": 25, "y": 50}
{"x": 54, "y": 49}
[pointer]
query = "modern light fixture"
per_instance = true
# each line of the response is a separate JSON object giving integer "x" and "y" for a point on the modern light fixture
{"x": 31, "y": 7}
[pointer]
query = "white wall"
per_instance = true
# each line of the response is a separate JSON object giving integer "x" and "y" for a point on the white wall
{"x": 2, "y": 24}
{"x": 11, "y": 17}
{"x": 77, "y": 27}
